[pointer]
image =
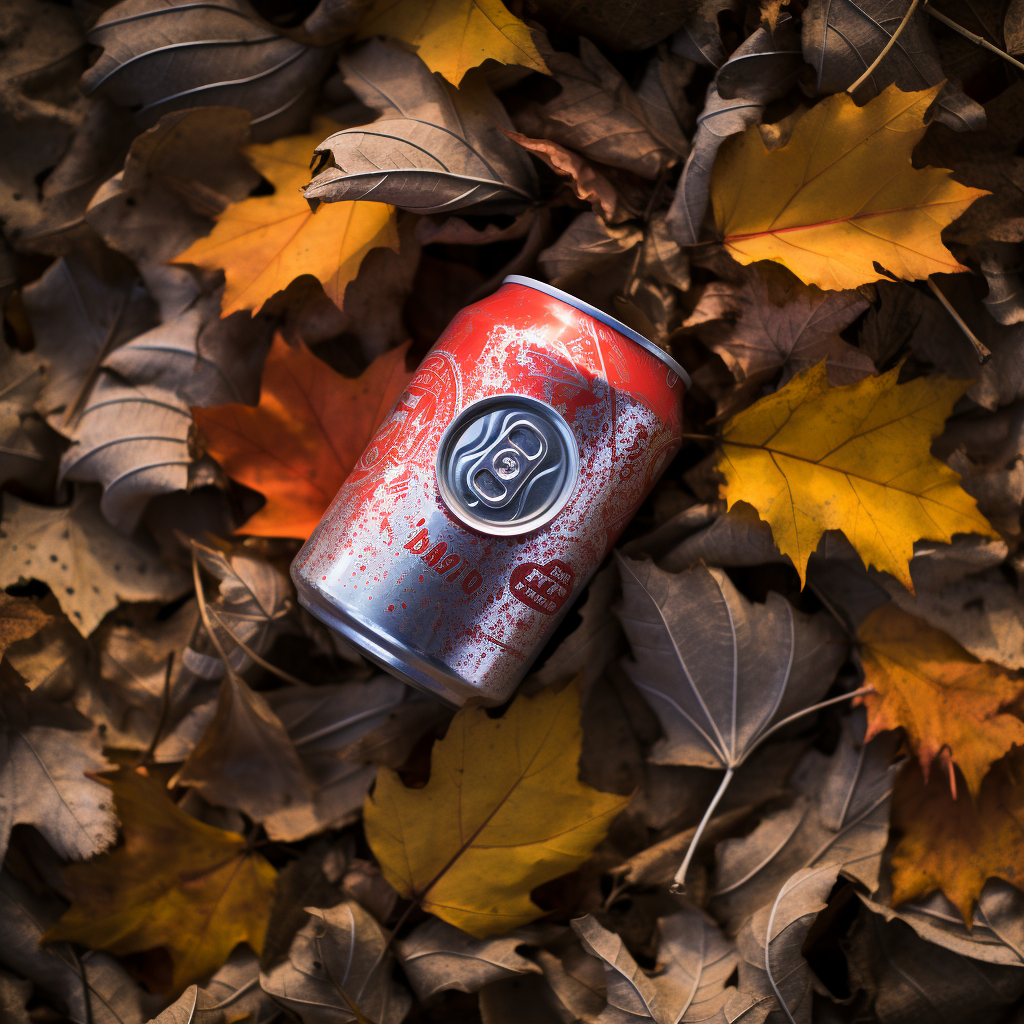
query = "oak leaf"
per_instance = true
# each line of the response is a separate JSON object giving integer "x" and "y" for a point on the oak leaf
{"x": 957, "y": 844}
{"x": 176, "y": 882}
{"x": 297, "y": 446}
{"x": 503, "y": 812}
{"x": 949, "y": 703}
{"x": 264, "y": 242}
{"x": 452, "y": 36}
{"x": 841, "y": 204}
{"x": 812, "y": 458}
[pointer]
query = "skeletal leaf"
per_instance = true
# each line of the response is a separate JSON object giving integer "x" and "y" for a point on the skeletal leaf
{"x": 171, "y": 55}
{"x": 87, "y": 564}
{"x": 841, "y": 197}
{"x": 437, "y": 957}
{"x": 772, "y": 965}
{"x": 433, "y": 149}
{"x": 719, "y": 671}
{"x": 842, "y": 38}
{"x": 108, "y": 995}
{"x": 841, "y": 816}
{"x": 472, "y": 844}
{"x": 812, "y": 458}
{"x": 339, "y": 970}
{"x": 297, "y": 446}
{"x": 263, "y": 243}
{"x": 947, "y": 701}
{"x": 176, "y": 882}
{"x": 452, "y": 36}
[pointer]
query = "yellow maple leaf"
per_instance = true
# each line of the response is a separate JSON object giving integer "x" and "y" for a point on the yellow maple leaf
{"x": 812, "y": 458}
{"x": 263, "y": 243}
{"x": 452, "y": 36}
{"x": 175, "y": 882}
{"x": 503, "y": 812}
{"x": 943, "y": 697}
{"x": 842, "y": 195}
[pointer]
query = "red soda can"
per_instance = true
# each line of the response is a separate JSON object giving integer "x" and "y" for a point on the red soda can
{"x": 527, "y": 440}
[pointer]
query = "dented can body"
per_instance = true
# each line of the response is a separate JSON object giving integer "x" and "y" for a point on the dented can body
{"x": 527, "y": 440}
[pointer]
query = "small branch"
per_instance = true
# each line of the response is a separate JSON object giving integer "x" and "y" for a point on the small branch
{"x": 262, "y": 662}
{"x": 165, "y": 707}
{"x": 870, "y": 70}
{"x": 679, "y": 882}
{"x": 984, "y": 355}
{"x": 977, "y": 40}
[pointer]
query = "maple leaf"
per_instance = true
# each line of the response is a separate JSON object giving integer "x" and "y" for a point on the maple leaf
{"x": 947, "y": 700}
{"x": 956, "y": 844}
{"x": 297, "y": 446}
{"x": 841, "y": 198}
{"x": 452, "y": 36}
{"x": 176, "y": 882}
{"x": 263, "y": 243}
{"x": 503, "y": 812}
{"x": 812, "y": 458}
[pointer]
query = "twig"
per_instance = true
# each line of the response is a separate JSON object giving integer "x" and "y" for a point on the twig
{"x": 262, "y": 662}
{"x": 984, "y": 355}
{"x": 870, "y": 69}
{"x": 165, "y": 707}
{"x": 977, "y": 40}
{"x": 678, "y": 885}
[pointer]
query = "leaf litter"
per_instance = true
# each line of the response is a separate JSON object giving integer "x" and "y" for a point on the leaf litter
{"x": 230, "y": 231}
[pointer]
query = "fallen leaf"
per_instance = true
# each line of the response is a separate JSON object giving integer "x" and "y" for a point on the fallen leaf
{"x": 163, "y": 55}
{"x": 772, "y": 966}
{"x": 756, "y": 334}
{"x": 297, "y": 446}
{"x": 452, "y": 36}
{"x": 840, "y": 816}
{"x": 1003, "y": 269}
{"x": 109, "y": 995}
{"x": 589, "y": 245}
{"x": 949, "y": 704}
{"x": 471, "y": 846}
{"x": 433, "y": 149}
{"x": 955, "y": 845}
{"x": 339, "y": 970}
{"x": 176, "y": 882}
{"x": 437, "y": 957}
{"x": 758, "y": 71}
{"x": 132, "y": 432}
{"x": 718, "y": 671}
{"x": 26, "y": 445}
{"x": 841, "y": 39}
{"x": 263, "y": 243}
{"x": 231, "y": 995}
{"x": 841, "y": 197}
{"x": 87, "y": 564}
{"x": 20, "y": 618}
{"x": 616, "y": 24}
{"x": 812, "y": 458}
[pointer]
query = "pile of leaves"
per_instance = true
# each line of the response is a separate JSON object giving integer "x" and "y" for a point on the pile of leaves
{"x": 772, "y": 766}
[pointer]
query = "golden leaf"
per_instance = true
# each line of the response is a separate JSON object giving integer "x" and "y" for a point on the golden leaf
{"x": 944, "y": 697}
{"x": 956, "y": 845}
{"x": 842, "y": 195}
{"x": 812, "y": 458}
{"x": 452, "y": 36}
{"x": 503, "y": 812}
{"x": 176, "y": 882}
{"x": 263, "y": 243}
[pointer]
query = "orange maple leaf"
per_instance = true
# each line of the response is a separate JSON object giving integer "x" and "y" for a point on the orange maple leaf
{"x": 300, "y": 442}
{"x": 949, "y": 703}
{"x": 956, "y": 845}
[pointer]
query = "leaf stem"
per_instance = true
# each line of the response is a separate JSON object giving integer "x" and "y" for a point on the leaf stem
{"x": 870, "y": 69}
{"x": 204, "y": 614}
{"x": 262, "y": 662}
{"x": 806, "y": 711}
{"x": 977, "y": 40}
{"x": 679, "y": 882}
{"x": 984, "y": 355}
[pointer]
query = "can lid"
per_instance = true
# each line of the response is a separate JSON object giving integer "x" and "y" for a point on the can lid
{"x": 605, "y": 318}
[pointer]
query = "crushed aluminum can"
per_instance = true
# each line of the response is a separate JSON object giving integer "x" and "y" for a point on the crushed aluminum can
{"x": 527, "y": 440}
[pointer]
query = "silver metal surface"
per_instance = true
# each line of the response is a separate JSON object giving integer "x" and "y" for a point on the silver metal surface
{"x": 605, "y": 318}
{"x": 507, "y": 465}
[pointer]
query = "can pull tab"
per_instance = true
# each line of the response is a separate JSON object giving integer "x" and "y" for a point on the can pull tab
{"x": 501, "y": 472}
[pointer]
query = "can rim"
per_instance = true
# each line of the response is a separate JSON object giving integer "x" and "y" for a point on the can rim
{"x": 605, "y": 318}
